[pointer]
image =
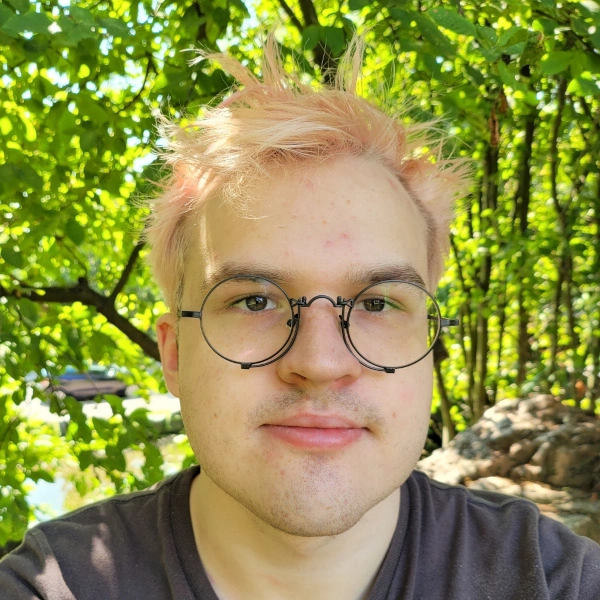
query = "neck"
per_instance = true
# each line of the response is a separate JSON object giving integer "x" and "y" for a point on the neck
{"x": 246, "y": 558}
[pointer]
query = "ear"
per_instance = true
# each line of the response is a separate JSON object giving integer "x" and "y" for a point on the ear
{"x": 166, "y": 329}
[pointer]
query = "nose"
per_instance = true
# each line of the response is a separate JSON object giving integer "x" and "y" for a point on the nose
{"x": 319, "y": 356}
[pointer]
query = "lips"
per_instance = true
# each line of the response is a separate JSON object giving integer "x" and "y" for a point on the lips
{"x": 318, "y": 432}
{"x": 317, "y": 421}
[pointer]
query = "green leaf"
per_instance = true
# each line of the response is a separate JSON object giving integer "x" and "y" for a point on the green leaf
{"x": 103, "y": 428}
{"x": 86, "y": 458}
{"x": 23, "y": 175}
{"x": 358, "y": 4}
{"x": 21, "y": 5}
{"x": 75, "y": 231}
{"x": 580, "y": 27}
{"x": 513, "y": 41}
{"x": 140, "y": 415}
{"x": 114, "y": 27}
{"x": 81, "y": 15}
{"x": 556, "y": 62}
{"x": 506, "y": 36}
{"x": 440, "y": 43}
{"x": 12, "y": 257}
{"x": 93, "y": 109}
{"x": 220, "y": 16}
{"x": 583, "y": 87}
{"x": 32, "y": 22}
{"x": 5, "y": 14}
{"x": 335, "y": 39}
{"x": 595, "y": 38}
{"x": 42, "y": 474}
{"x": 474, "y": 75}
{"x": 548, "y": 25}
{"x": 405, "y": 17}
{"x": 115, "y": 458}
{"x": 311, "y": 36}
{"x": 486, "y": 35}
{"x": 30, "y": 310}
{"x": 508, "y": 77}
{"x": 87, "y": 140}
{"x": 450, "y": 19}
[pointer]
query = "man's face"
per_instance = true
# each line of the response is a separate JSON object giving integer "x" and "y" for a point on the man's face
{"x": 316, "y": 226}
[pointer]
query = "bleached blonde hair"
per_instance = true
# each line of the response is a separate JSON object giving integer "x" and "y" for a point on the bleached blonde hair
{"x": 280, "y": 121}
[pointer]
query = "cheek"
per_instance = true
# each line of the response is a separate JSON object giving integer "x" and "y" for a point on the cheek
{"x": 202, "y": 387}
{"x": 409, "y": 407}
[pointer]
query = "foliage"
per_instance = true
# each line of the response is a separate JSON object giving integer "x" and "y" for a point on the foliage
{"x": 516, "y": 83}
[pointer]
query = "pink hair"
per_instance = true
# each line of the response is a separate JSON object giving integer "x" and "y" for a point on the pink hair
{"x": 281, "y": 121}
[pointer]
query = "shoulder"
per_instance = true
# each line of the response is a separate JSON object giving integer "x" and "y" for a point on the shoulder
{"x": 443, "y": 496}
{"x": 489, "y": 528}
{"x": 94, "y": 543}
{"x": 490, "y": 510}
{"x": 119, "y": 513}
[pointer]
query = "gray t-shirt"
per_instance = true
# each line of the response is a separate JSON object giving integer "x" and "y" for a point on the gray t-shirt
{"x": 449, "y": 544}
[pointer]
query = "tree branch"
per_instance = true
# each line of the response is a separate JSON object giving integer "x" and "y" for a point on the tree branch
{"x": 321, "y": 52}
{"x": 290, "y": 13}
{"x": 126, "y": 271}
{"x": 560, "y": 97}
{"x": 149, "y": 67}
{"x": 309, "y": 12}
{"x": 81, "y": 292}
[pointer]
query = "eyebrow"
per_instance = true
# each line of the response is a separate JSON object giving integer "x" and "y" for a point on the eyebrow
{"x": 246, "y": 269}
{"x": 368, "y": 275}
{"x": 364, "y": 275}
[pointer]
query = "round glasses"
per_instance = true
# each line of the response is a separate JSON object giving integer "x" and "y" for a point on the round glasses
{"x": 251, "y": 321}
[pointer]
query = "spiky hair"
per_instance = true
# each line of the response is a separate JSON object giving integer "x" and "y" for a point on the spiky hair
{"x": 279, "y": 121}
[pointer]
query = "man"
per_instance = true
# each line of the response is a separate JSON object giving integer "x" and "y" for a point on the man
{"x": 299, "y": 242}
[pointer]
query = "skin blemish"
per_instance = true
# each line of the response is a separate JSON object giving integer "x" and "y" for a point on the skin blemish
{"x": 345, "y": 236}
{"x": 393, "y": 415}
{"x": 394, "y": 183}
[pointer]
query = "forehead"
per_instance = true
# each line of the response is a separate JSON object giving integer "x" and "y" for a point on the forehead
{"x": 320, "y": 222}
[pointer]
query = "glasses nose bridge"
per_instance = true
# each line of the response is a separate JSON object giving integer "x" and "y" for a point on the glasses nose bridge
{"x": 338, "y": 303}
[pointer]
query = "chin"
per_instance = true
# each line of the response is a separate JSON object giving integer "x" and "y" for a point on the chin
{"x": 307, "y": 526}
{"x": 313, "y": 515}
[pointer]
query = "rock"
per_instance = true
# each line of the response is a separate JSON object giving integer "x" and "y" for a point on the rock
{"x": 536, "y": 448}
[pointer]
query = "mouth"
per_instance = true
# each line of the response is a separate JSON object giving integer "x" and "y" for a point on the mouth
{"x": 318, "y": 432}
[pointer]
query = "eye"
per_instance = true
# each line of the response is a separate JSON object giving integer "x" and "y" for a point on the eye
{"x": 255, "y": 303}
{"x": 374, "y": 304}
{"x": 378, "y": 304}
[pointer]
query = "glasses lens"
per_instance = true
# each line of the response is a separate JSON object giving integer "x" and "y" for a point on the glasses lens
{"x": 393, "y": 324}
{"x": 246, "y": 320}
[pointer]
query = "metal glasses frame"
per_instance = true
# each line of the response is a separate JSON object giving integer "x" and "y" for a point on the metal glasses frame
{"x": 347, "y": 305}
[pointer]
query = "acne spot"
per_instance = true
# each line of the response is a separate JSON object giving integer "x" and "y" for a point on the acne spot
{"x": 327, "y": 244}
{"x": 393, "y": 415}
{"x": 393, "y": 182}
{"x": 345, "y": 236}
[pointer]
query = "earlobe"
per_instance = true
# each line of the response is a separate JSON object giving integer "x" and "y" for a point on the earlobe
{"x": 166, "y": 329}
